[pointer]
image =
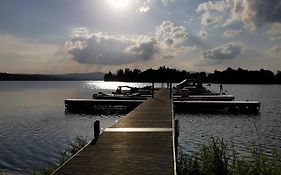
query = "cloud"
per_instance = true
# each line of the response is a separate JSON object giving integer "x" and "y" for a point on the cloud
{"x": 143, "y": 6}
{"x": 227, "y": 51}
{"x": 172, "y": 39}
{"x": 213, "y": 6}
{"x": 232, "y": 33}
{"x": 211, "y": 19}
{"x": 106, "y": 49}
{"x": 203, "y": 34}
{"x": 171, "y": 35}
{"x": 85, "y": 47}
{"x": 275, "y": 50}
{"x": 254, "y": 13}
{"x": 165, "y": 2}
{"x": 144, "y": 50}
{"x": 275, "y": 29}
{"x": 20, "y": 55}
{"x": 26, "y": 50}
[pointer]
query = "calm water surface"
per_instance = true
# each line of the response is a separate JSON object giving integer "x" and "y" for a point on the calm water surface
{"x": 35, "y": 130}
{"x": 245, "y": 132}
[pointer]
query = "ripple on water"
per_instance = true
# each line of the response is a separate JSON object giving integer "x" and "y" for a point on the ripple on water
{"x": 244, "y": 132}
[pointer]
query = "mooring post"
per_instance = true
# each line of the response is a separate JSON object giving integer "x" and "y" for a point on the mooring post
{"x": 152, "y": 89}
{"x": 177, "y": 134}
{"x": 96, "y": 129}
{"x": 170, "y": 90}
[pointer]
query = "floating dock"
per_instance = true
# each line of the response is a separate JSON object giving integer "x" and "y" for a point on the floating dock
{"x": 217, "y": 106}
{"x": 143, "y": 142}
{"x": 100, "y": 105}
{"x": 204, "y": 98}
{"x": 181, "y": 105}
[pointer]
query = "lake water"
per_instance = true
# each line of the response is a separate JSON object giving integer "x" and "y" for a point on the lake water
{"x": 35, "y": 130}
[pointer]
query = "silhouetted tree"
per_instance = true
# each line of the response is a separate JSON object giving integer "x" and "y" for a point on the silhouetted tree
{"x": 164, "y": 74}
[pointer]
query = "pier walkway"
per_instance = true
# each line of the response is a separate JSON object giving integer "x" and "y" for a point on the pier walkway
{"x": 140, "y": 143}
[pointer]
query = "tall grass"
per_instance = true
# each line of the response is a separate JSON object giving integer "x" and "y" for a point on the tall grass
{"x": 215, "y": 159}
{"x": 78, "y": 143}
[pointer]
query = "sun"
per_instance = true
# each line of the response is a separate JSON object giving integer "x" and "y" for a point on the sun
{"x": 119, "y": 4}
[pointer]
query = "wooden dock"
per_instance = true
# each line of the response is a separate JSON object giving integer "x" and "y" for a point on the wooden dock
{"x": 140, "y": 143}
{"x": 182, "y": 105}
{"x": 217, "y": 106}
{"x": 99, "y": 105}
{"x": 204, "y": 98}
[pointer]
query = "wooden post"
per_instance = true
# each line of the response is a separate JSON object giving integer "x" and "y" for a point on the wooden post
{"x": 171, "y": 90}
{"x": 152, "y": 89}
{"x": 177, "y": 133}
{"x": 96, "y": 129}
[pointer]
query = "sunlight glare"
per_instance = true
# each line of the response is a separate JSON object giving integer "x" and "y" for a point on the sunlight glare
{"x": 119, "y": 4}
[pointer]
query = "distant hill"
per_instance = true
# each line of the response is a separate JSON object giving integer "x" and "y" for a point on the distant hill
{"x": 55, "y": 77}
{"x": 83, "y": 76}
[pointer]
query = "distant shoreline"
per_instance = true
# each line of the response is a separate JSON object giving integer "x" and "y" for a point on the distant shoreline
{"x": 228, "y": 76}
{"x": 59, "y": 77}
{"x": 161, "y": 75}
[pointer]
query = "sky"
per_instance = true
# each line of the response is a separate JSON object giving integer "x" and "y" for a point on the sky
{"x": 69, "y": 36}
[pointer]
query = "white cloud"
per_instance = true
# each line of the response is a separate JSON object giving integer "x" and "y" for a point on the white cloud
{"x": 213, "y": 6}
{"x": 102, "y": 48}
{"x": 143, "y": 6}
{"x": 172, "y": 39}
{"x": 170, "y": 34}
{"x": 227, "y": 51}
{"x": 209, "y": 18}
{"x": 111, "y": 49}
{"x": 203, "y": 34}
{"x": 232, "y": 33}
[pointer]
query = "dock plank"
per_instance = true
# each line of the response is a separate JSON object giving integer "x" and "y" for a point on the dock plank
{"x": 144, "y": 144}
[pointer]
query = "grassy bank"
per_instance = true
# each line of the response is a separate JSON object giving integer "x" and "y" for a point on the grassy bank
{"x": 212, "y": 159}
{"x": 77, "y": 144}
{"x": 215, "y": 159}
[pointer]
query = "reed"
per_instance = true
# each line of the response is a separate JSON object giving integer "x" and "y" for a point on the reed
{"x": 77, "y": 144}
{"x": 215, "y": 159}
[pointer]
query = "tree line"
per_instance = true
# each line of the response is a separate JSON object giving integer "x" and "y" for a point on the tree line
{"x": 165, "y": 74}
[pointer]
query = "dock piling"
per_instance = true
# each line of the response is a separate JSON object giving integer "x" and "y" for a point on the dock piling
{"x": 96, "y": 129}
{"x": 177, "y": 134}
{"x": 152, "y": 90}
{"x": 171, "y": 90}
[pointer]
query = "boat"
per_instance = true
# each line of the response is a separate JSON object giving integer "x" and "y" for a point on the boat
{"x": 192, "y": 87}
{"x": 127, "y": 93}
{"x": 188, "y": 96}
{"x": 131, "y": 96}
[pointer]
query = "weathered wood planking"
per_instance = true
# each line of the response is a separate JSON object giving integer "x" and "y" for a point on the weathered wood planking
{"x": 140, "y": 143}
